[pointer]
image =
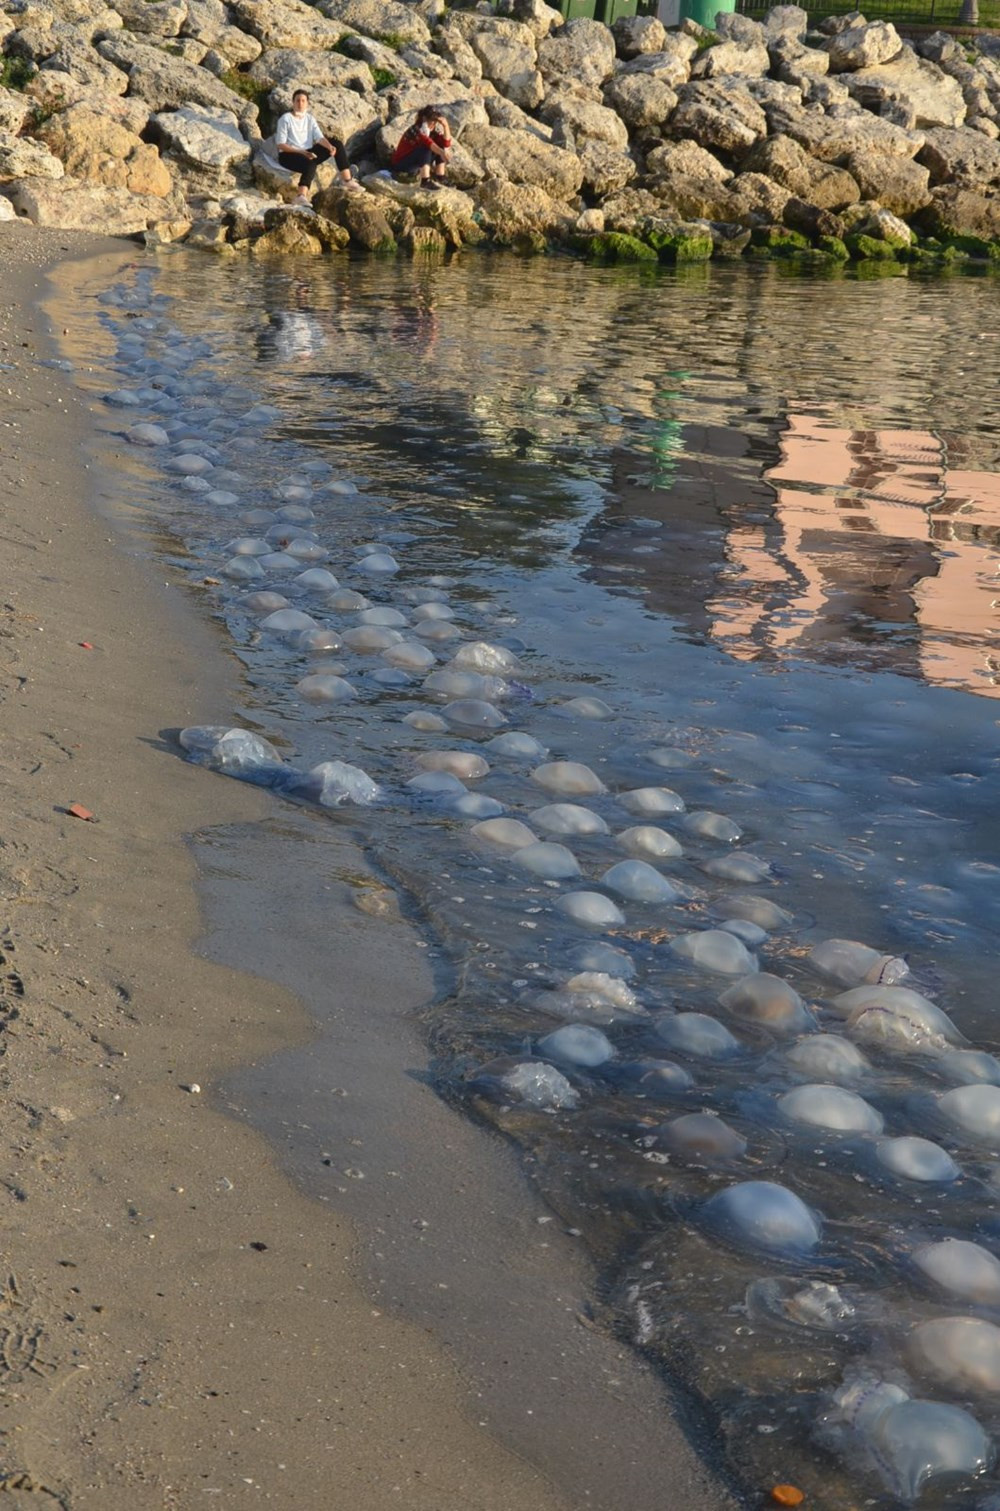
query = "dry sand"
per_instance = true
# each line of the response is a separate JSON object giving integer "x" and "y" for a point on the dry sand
{"x": 179, "y": 1325}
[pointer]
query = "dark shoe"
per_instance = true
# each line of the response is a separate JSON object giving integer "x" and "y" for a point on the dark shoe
{"x": 435, "y": 183}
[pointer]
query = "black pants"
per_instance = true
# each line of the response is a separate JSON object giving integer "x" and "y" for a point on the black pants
{"x": 297, "y": 162}
{"x": 417, "y": 157}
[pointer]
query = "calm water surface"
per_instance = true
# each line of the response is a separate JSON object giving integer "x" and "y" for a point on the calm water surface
{"x": 757, "y": 515}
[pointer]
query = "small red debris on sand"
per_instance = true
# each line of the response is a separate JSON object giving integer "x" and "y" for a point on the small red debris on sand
{"x": 787, "y": 1495}
{"x": 77, "y": 810}
{"x": 85, "y": 645}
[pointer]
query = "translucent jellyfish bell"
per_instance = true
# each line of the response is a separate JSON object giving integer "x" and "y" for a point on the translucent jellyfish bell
{"x": 472, "y": 714}
{"x": 713, "y": 826}
{"x": 827, "y": 1057}
{"x": 638, "y": 882}
{"x": 478, "y": 656}
{"x": 911, "y": 1443}
{"x": 368, "y": 639}
{"x": 849, "y": 963}
{"x": 539, "y": 1085}
{"x": 585, "y": 708}
{"x": 317, "y": 580}
{"x": 975, "y": 1110}
{"x": 966, "y": 1066}
{"x": 914, "y": 1158}
{"x": 568, "y": 818}
{"x": 714, "y": 950}
{"x": 288, "y": 622}
{"x": 550, "y": 861}
{"x": 647, "y": 842}
{"x": 607, "y": 958}
{"x": 895, "y": 1017}
{"x": 960, "y": 1353}
{"x": 760, "y": 1214}
{"x": 831, "y": 1107}
{"x": 702, "y": 1137}
{"x": 591, "y": 909}
{"x": 651, "y": 802}
{"x": 325, "y": 689}
{"x": 504, "y": 833}
{"x": 697, "y": 1035}
{"x": 425, "y": 721}
{"x": 568, "y": 777}
{"x": 963, "y": 1269}
{"x": 518, "y": 746}
{"x": 769, "y": 1002}
{"x": 741, "y": 867}
{"x": 577, "y": 1044}
{"x": 461, "y": 763}
{"x": 408, "y": 656}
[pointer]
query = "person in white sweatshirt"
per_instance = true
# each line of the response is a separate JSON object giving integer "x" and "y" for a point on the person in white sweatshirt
{"x": 302, "y": 146}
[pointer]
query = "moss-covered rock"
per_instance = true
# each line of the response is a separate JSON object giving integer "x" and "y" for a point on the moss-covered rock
{"x": 613, "y": 246}
{"x": 870, "y": 249}
{"x": 681, "y": 246}
{"x": 833, "y": 247}
{"x": 972, "y": 246}
{"x": 779, "y": 241}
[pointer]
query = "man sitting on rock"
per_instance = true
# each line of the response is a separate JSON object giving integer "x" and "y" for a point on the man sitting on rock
{"x": 425, "y": 144}
{"x": 302, "y": 146}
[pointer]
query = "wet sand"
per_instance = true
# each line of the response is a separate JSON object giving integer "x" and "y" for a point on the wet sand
{"x": 180, "y": 1323}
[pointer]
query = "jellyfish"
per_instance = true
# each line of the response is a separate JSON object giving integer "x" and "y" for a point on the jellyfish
{"x": 827, "y": 1057}
{"x": 568, "y": 777}
{"x": 713, "y": 826}
{"x": 769, "y": 1002}
{"x": 975, "y": 1110}
{"x": 519, "y": 746}
{"x": 368, "y": 639}
{"x": 473, "y": 714}
{"x": 600, "y": 986}
{"x": 851, "y": 964}
{"x": 748, "y": 933}
{"x": 759, "y": 910}
{"x": 537, "y": 1085}
{"x": 378, "y": 564}
{"x": 741, "y": 867}
{"x": 714, "y": 950}
{"x": 320, "y": 688}
{"x": 578, "y": 1044}
{"x": 651, "y": 802}
{"x": 288, "y": 622}
{"x": 966, "y": 1270}
{"x": 504, "y": 833}
{"x": 461, "y": 763}
{"x": 656, "y": 1078}
{"x": 264, "y": 602}
{"x": 960, "y": 1353}
{"x": 550, "y": 861}
{"x": 701, "y": 1136}
{"x": 637, "y": 882}
{"x": 830, "y": 1107}
{"x": 697, "y": 1035}
{"x": 389, "y": 619}
{"x": 591, "y": 909}
{"x": 761, "y": 1214}
{"x": 425, "y": 721}
{"x": 896, "y": 1017}
{"x": 243, "y": 569}
{"x": 408, "y": 656}
{"x": 317, "y": 580}
{"x": 916, "y": 1159}
{"x": 476, "y": 805}
{"x": 432, "y": 610}
{"x": 606, "y": 958}
{"x": 247, "y": 545}
{"x": 568, "y": 818}
{"x": 346, "y": 601}
{"x": 970, "y": 1065}
{"x": 332, "y": 783}
{"x": 646, "y": 841}
{"x": 478, "y": 656}
{"x": 669, "y": 758}
{"x": 434, "y": 784}
{"x": 584, "y": 708}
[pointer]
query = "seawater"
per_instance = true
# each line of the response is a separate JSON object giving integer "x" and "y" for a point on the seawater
{"x": 757, "y": 515}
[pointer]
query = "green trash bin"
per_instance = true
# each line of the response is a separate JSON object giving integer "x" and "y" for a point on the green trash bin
{"x": 705, "y": 11}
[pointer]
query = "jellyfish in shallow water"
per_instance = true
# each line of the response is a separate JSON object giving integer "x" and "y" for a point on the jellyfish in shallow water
{"x": 461, "y": 763}
{"x": 426, "y": 722}
{"x": 578, "y": 1044}
{"x": 700, "y": 1136}
{"x": 651, "y": 802}
{"x": 851, "y": 964}
{"x": 909, "y": 1443}
{"x": 914, "y": 1158}
{"x": 638, "y": 882}
{"x": 740, "y": 867}
{"x": 896, "y": 1018}
{"x": 769, "y": 1002}
{"x": 408, "y": 656}
{"x": 473, "y": 714}
{"x": 324, "y": 689}
{"x": 827, "y": 1057}
{"x": 759, "y": 910}
{"x": 504, "y": 833}
{"x": 714, "y": 950}
{"x": 532, "y": 1082}
{"x": 760, "y": 1214}
{"x": 478, "y": 656}
{"x": 368, "y": 639}
{"x": 569, "y": 777}
{"x": 697, "y": 1035}
{"x": 317, "y": 580}
{"x": 550, "y": 861}
{"x": 960, "y": 1353}
{"x": 333, "y": 783}
{"x": 288, "y": 622}
{"x": 830, "y": 1107}
{"x": 975, "y": 1110}
{"x": 606, "y": 958}
{"x": 591, "y": 909}
{"x": 964, "y": 1269}
{"x": 568, "y": 818}
{"x": 712, "y": 826}
{"x": 967, "y": 1066}
{"x": 516, "y": 745}
{"x": 476, "y": 805}
{"x": 656, "y": 1078}
{"x": 748, "y": 933}
{"x": 584, "y": 708}
{"x": 647, "y": 842}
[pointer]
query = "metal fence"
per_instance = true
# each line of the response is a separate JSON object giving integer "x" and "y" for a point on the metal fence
{"x": 917, "y": 13}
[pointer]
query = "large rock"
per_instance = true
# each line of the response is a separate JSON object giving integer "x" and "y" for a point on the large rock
{"x": 793, "y": 64}
{"x": 7, "y": 211}
{"x": 525, "y": 160}
{"x": 285, "y": 68}
{"x": 731, "y": 59}
{"x": 863, "y": 46}
{"x": 293, "y": 237}
{"x": 752, "y": 199}
{"x": 819, "y": 184}
{"x": 687, "y": 178}
{"x": 958, "y": 211}
{"x": 166, "y": 82}
{"x": 833, "y": 138}
{"x": 501, "y": 112}
{"x": 585, "y": 120}
{"x": 719, "y": 115}
{"x": 286, "y": 23}
{"x": 206, "y": 20}
{"x": 360, "y": 215}
{"x": 512, "y": 211}
{"x": 87, "y": 67}
{"x": 582, "y": 50}
{"x": 672, "y": 62}
{"x": 155, "y": 18}
{"x": 203, "y": 137}
{"x": 606, "y": 169}
{"x": 72, "y": 206}
{"x": 928, "y": 95}
{"x": 507, "y": 54}
{"x": 542, "y": 18}
{"x": 898, "y": 183}
{"x": 644, "y": 101}
{"x": 15, "y": 108}
{"x": 786, "y": 21}
{"x": 962, "y": 157}
{"x": 379, "y": 18}
{"x": 95, "y": 147}
{"x": 456, "y": 51}
{"x": 22, "y": 158}
{"x": 635, "y": 35}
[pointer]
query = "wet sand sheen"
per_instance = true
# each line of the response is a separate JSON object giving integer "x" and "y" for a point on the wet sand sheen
{"x": 187, "y": 1323}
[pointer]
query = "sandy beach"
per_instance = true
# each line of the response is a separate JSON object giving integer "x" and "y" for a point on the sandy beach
{"x": 180, "y": 1324}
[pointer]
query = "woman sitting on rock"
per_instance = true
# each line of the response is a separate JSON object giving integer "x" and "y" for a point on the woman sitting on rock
{"x": 423, "y": 146}
{"x": 302, "y": 146}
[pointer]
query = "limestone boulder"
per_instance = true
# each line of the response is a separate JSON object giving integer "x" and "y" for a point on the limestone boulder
{"x": 730, "y": 59}
{"x": 507, "y": 54}
{"x": 687, "y": 178}
{"x": 379, "y": 18}
{"x": 284, "y": 68}
{"x": 606, "y": 169}
{"x": 524, "y": 159}
{"x": 500, "y": 112}
{"x": 236, "y": 47}
{"x": 155, "y": 18}
{"x": 644, "y": 101}
{"x": 786, "y": 21}
{"x": 624, "y": 211}
{"x": 542, "y": 18}
{"x": 819, "y": 183}
{"x": 718, "y": 115}
{"x": 833, "y": 137}
{"x": 166, "y": 82}
{"x": 294, "y": 237}
{"x": 800, "y": 215}
{"x": 15, "y": 108}
{"x": 929, "y": 96}
{"x": 90, "y": 145}
{"x": 733, "y": 26}
{"x": 205, "y": 20}
{"x": 899, "y": 183}
{"x": 7, "y": 211}
{"x": 146, "y": 173}
{"x": 87, "y": 67}
{"x": 635, "y": 35}
{"x": 582, "y": 49}
{"x": 448, "y": 210}
{"x": 585, "y": 120}
{"x": 72, "y": 206}
{"x": 955, "y": 210}
{"x": 752, "y": 199}
{"x": 204, "y": 137}
{"x": 863, "y": 46}
{"x": 792, "y": 63}
{"x": 458, "y": 54}
{"x": 962, "y": 157}
{"x": 360, "y": 214}
{"x": 420, "y": 58}
{"x": 286, "y": 23}
{"x": 512, "y": 211}
{"x": 461, "y": 105}
{"x": 22, "y": 158}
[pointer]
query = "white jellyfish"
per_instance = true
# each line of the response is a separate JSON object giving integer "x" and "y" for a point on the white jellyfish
{"x": 518, "y": 746}
{"x": 959, "y": 1353}
{"x": 975, "y": 1110}
{"x": 967, "y": 1066}
{"x": 378, "y": 564}
{"x": 346, "y": 601}
{"x": 647, "y": 842}
{"x": 965, "y": 1270}
{"x": 368, "y": 639}
{"x": 389, "y": 619}
{"x": 911, "y": 1443}
{"x": 461, "y": 763}
{"x": 288, "y": 622}
{"x": 713, "y": 826}
{"x": 638, "y": 882}
{"x": 324, "y": 689}
{"x": 714, "y": 950}
{"x": 697, "y": 1035}
{"x": 436, "y": 631}
{"x": 827, "y": 1057}
{"x": 504, "y": 833}
{"x": 332, "y": 783}
{"x": 578, "y": 1044}
{"x": 243, "y": 569}
{"x": 658, "y": 1077}
{"x": 425, "y": 721}
{"x": 538, "y": 1085}
{"x": 651, "y": 802}
{"x": 669, "y": 758}
{"x": 916, "y": 1159}
{"x": 599, "y": 986}
{"x": 591, "y": 909}
{"x": 763, "y": 1215}
{"x": 248, "y": 545}
{"x": 550, "y": 861}
{"x": 741, "y": 867}
{"x": 434, "y": 784}
{"x": 478, "y": 656}
{"x": 851, "y": 964}
{"x": 896, "y": 1017}
{"x": 584, "y": 708}
{"x": 830, "y": 1107}
{"x": 759, "y": 910}
{"x": 473, "y": 714}
{"x": 408, "y": 656}
{"x": 433, "y": 610}
{"x": 750, "y": 933}
{"x": 568, "y": 777}
{"x": 595, "y": 955}
{"x": 476, "y": 805}
{"x": 769, "y": 1002}
{"x": 568, "y": 818}
{"x": 701, "y": 1136}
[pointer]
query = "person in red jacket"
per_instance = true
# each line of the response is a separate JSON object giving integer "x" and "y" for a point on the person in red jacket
{"x": 424, "y": 147}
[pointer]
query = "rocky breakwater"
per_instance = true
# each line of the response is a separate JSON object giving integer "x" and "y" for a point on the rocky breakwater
{"x": 149, "y": 117}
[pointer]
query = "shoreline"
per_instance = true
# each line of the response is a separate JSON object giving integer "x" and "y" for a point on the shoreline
{"x": 184, "y": 1321}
